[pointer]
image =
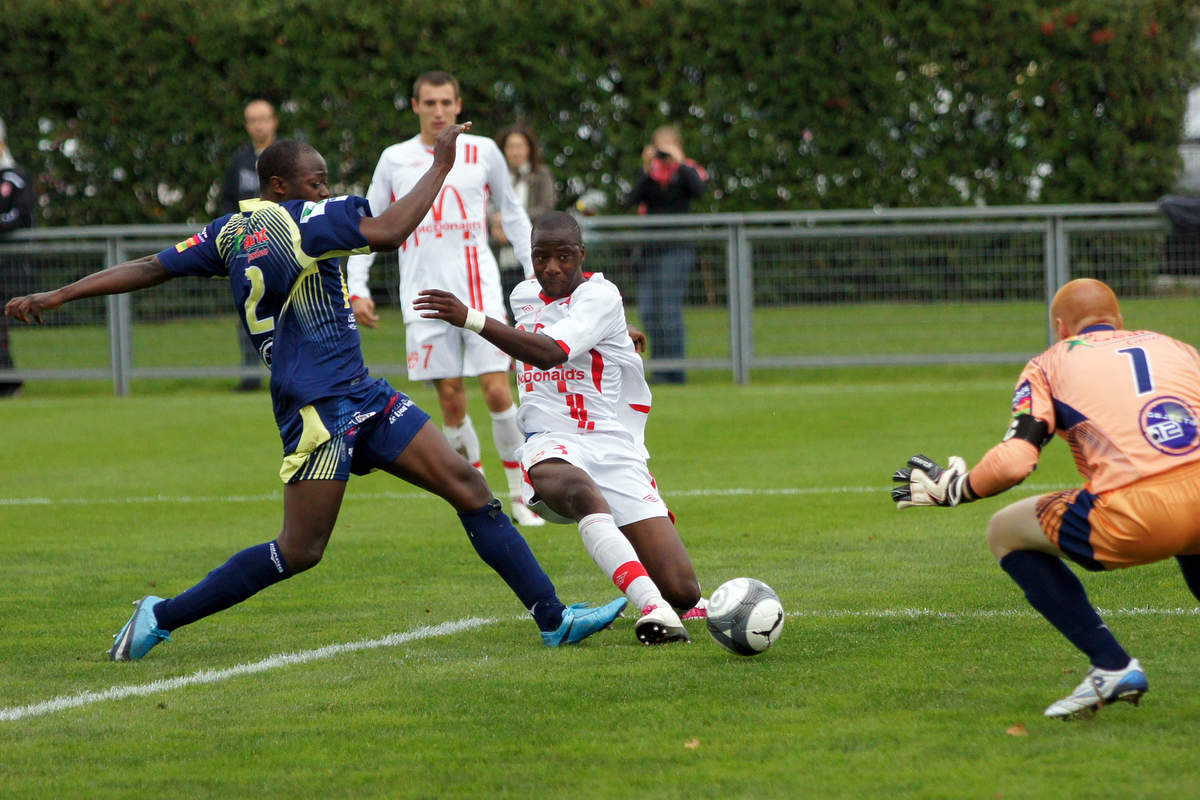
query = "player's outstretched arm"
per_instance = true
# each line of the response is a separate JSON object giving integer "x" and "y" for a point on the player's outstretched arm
{"x": 924, "y": 482}
{"x": 127, "y": 277}
{"x": 389, "y": 230}
{"x": 537, "y": 349}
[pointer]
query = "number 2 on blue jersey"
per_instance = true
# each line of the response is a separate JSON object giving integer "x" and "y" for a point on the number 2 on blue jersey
{"x": 257, "y": 289}
{"x": 1141, "y": 369}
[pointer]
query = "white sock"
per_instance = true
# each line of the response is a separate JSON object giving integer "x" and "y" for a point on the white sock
{"x": 462, "y": 437}
{"x": 508, "y": 439}
{"x": 613, "y": 553}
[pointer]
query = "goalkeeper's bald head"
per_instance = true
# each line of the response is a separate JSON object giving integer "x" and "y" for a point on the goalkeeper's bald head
{"x": 1082, "y": 303}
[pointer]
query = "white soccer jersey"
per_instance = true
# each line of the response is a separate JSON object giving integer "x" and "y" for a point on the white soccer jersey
{"x": 449, "y": 249}
{"x": 602, "y": 385}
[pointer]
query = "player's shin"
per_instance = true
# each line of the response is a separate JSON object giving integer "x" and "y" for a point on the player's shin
{"x": 1056, "y": 593}
{"x": 504, "y": 549}
{"x": 465, "y": 441}
{"x": 242, "y": 576}
{"x": 507, "y": 438}
{"x": 613, "y": 553}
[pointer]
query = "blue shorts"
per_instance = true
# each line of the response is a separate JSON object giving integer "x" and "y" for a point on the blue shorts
{"x": 352, "y": 433}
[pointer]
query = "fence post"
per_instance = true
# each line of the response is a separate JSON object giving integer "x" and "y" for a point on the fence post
{"x": 1057, "y": 273}
{"x": 741, "y": 303}
{"x": 120, "y": 326}
{"x": 1062, "y": 247}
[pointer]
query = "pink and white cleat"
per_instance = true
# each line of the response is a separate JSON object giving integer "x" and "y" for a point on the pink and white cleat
{"x": 659, "y": 625}
{"x": 699, "y": 611}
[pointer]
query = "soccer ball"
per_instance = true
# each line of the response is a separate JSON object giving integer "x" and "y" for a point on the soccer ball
{"x": 745, "y": 616}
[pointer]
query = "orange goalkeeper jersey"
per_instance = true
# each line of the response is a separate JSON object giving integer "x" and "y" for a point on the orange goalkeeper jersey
{"x": 1127, "y": 402}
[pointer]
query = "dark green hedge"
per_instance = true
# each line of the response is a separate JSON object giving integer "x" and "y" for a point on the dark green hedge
{"x": 127, "y": 111}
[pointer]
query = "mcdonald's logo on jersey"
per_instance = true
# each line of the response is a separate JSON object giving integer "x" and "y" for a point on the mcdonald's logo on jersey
{"x": 438, "y": 208}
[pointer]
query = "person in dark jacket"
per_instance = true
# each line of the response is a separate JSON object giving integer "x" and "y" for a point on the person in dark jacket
{"x": 667, "y": 185}
{"x": 16, "y": 212}
{"x": 241, "y": 183}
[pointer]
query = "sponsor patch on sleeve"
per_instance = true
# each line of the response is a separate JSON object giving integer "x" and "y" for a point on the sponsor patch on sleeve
{"x": 1022, "y": 399}
{"x": 192, "y": 241}
{"x": 311, "y": 210}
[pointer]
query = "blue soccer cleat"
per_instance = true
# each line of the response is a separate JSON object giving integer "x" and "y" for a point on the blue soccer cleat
{"x": 139, "y": 634}
{"x": 1100, "y": 687}
{"x": 580, "y": 622}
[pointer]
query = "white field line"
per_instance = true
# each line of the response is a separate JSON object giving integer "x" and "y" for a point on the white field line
{"x": 63, "y": 703}
{"x": 275, "y": 497}
{"x": 981, "y": 613}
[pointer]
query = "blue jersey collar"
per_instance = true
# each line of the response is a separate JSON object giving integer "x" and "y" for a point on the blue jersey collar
{"x": 1104, "y": 326}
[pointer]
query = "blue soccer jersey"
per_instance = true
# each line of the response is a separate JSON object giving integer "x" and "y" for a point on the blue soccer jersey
{"x": 288, "y": 289}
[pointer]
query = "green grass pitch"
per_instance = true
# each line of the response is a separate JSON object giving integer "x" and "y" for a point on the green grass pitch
{"x": 906, "y": 664}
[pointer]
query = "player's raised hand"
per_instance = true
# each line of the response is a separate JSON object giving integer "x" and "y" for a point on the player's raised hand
{"x": 445, "y": 144}
{"x": 927, "y": 483}
{"x": 29, "y": 308}
{"x": 439, "y": 304}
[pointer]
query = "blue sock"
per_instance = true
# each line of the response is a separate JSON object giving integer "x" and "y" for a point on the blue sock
{"x": 504, "y": 549}
{"x": 1190, "y": 567}
{"x": 1054, "y": 590}
{"x": 243, "y": 575}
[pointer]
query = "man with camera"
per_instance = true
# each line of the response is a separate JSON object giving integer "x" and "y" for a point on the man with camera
{"x": 668, "y": 184}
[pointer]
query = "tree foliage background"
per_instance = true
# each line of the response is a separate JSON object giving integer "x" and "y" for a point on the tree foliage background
{"x": 127, "y": 112}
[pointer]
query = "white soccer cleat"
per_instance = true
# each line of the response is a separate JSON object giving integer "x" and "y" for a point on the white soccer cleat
{"x": 1099, "y": 687}
{"x": 659, "y": 625}
{"x": 524, "y": 515}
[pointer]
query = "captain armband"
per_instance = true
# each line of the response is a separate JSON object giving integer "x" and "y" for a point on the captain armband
{"x": 1029, "y": 428}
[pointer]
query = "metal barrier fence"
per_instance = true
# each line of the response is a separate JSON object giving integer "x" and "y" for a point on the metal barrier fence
{"x": 761, "y": 291}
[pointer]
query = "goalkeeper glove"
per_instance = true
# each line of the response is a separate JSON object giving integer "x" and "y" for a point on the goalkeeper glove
{"x": 927, "y": 483}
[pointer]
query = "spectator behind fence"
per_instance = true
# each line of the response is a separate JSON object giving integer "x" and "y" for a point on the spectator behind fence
{"x": 667, "y": 185}
{"x": 534, "y": 186}
{"x": 241, "y": 183}
{"x": 16, "y": 212}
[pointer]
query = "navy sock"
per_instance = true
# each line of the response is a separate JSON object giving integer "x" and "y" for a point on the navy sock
{"x": 243, "y": 575}
{"x": 1054, "y": 590}
{"x": 1190, "y": 567}
{"x": 504, "y": 549}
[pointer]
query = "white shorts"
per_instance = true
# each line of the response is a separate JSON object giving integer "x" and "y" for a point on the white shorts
{"x": 437, "y": 349}
{"x": 611, "y": 460}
